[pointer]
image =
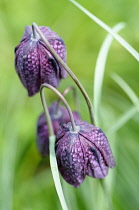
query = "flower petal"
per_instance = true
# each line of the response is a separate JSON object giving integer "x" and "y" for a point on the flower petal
{"x": 99, "y": 139}
{"x": 96, "y": 166}
{"x": 49, "y": 70}
{"x": 58, "y": 44}
{"x": 70, "y": 158}
{"x": 42, "y": 136}
{"x": 27, "y": 66}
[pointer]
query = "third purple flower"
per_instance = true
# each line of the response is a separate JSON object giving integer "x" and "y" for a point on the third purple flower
{"x": 61, "y": 115}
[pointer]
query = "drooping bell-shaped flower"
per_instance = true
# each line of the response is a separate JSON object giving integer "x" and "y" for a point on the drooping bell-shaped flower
{"x": 57, "y": 116}
{"x": 84, "y": 152}
{"x": 34, "y": 63}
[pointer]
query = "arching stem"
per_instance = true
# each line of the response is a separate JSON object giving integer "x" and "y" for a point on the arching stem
{"x": 59, "y": 60}
{"x": 64, "y": 101}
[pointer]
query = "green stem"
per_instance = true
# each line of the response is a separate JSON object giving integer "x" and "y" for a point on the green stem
{"x": 49, "y": 122}
{"x": 56, "y": 56}
{"x": 53, "y": 162}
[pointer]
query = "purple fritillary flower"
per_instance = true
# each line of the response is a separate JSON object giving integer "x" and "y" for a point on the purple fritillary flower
{"x": 42, "y": 129}
{"x": 81, "y": 153}
{"x": 34, "y": 63}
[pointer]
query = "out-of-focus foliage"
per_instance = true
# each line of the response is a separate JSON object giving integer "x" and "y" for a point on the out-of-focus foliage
{"x": 25, "y": 180}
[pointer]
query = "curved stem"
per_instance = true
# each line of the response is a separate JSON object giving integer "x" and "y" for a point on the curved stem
{"x": 49, "y": 122}
{"x": 53, "y": 161}
{"x": 56, "y": 56}
{"x": 65, "y": 93}
{"x": 64, "y": 101}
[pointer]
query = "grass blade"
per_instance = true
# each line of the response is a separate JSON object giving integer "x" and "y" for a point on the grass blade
{"x": 99, "y": 71}
{"x": 133, "y": 97}
{"x": 124, "y": 43}
{"x": 126, "y": 88}
{"x": 7, "y": 171}
{"x": 55, "y": 173}
{"x": 122, "y": 120}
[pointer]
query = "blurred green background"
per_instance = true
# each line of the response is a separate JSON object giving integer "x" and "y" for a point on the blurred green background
{"x": 25, "y": 180}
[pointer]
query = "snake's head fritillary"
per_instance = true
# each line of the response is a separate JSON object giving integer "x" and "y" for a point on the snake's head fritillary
{"x": 81, "y": 153}
{"x": 34, "y": 63}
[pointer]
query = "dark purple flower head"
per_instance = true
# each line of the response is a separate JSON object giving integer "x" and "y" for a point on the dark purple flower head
{"x": 42, "y": 129}
{"x": 81, "y": 153}
{"x": 34, "y": 63}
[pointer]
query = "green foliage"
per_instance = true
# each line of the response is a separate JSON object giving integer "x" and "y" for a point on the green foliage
{"x": 26, "y": 180}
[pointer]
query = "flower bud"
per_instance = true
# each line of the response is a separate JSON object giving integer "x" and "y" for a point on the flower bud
{"x": 42, "y": 129}
{"x": 34, "y": 63}
{"x": 84, "y": 152}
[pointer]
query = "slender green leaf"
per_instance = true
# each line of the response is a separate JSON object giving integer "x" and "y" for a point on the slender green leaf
{"x": 99, "y": 71}
{"x": 8, "y": 170}
{"x": 133, "y": 97}
{"x": 124, "y": 43}
{"x": 126, "y": 88}
{"x": 55, "y": 173}
{"x": 122, "y": 120}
